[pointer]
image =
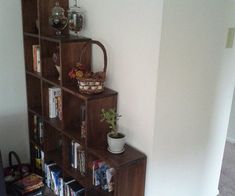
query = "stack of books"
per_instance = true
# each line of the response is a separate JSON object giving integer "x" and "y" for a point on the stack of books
{"x": 59, "y": 185}
{"x": 77, "y": 157}
{"x": 103, "y": 175}
{"x": 29, "y": 185}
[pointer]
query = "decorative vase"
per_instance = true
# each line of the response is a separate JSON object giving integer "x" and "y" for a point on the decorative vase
{"x": 57, "y": 19}
{"x": 75, "y": 18}
{"x": 116, "y": 145}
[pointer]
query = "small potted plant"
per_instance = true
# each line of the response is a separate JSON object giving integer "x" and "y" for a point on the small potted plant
{"x": 116, "y": 140}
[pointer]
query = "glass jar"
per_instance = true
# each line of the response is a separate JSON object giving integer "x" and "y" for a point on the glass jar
{"x": 75, "y": 18}
{"x": 57, "y": 19}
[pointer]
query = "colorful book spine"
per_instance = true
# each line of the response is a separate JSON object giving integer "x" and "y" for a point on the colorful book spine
{"x": 54, "y": 93}
{"x": 36, "y": 58}
{"x": 35, "y": 127}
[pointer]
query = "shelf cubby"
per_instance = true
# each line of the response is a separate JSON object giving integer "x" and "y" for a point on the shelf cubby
{"x": 29, "y": 41}
{"x": 72, "y": 115}
{"x": 34, "y": 129}
{"x": 33, "y": 154}
{"x": 34, "y": 94}
{"x": 53, "y": 143}
{"x": 54, "y": 122}
{"x": 30, "y": 16}
{"x": 49, "y": 70}
{"x": 75, "y": 173}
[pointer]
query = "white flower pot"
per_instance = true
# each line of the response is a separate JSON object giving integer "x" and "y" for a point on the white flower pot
{"x": 116, "y": 145}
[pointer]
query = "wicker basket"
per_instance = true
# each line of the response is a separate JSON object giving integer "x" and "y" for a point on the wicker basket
{"x": 89, "y": 82}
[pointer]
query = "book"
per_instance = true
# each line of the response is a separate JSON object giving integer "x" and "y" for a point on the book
{"x": 53, "y": 94}
{"x": 38, "y": 158}
{"x": 59, "y": 107}
{"x": 61, "y": 186}
{"x": 48, "y": 165}
{"x": 40, "y": 130}
{"x": 35, "y": 127}
{"x": 72, "y": 153}
{"x": 29, "y": 183}
{"x": 76, "y": 189}
{"x": 110, "y": 179}
{"x": 67, "y": 181}
{"x": 82, "y": 161}
{"x": 55, "y": 178}
{"x": 102, "y": 175}
{"x": 36, "y": 58}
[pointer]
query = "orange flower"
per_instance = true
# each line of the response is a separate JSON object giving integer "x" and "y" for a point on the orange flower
{"x": 79, "y": 74}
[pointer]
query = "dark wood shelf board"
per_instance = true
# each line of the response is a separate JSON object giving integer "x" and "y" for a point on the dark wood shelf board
{"x": 77, "y": 176}
{"x": 54, "y": 122}
{"x": 97, "y": 191}
{"x": 35, "y": 74}
{"x": 38, "y": 145}
{"x": 75, "y": 91}
{"x": 73, "y": 135}
{"x": 64, "y": 38}
{"x": 52, "y": 82}
{"x": 55, "y": 156}
{"x": 36, "y": 110}
{"x": 31, "y": 34}
{"x": 129, "y": 156}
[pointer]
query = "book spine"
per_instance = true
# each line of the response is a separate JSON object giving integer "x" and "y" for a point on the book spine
{"x": 40, "y": 128}
{"x": 52, "y": 104}
{"x": 47, "y": 174}
{"x": 82, "y": 162}
{"x": 38, "y": 59}
{"x": 34, "y": 49}
{"x": 61, "y": 187}
{"x": 75, "y": 155}
{"x": 35, "y": 122}
{"x": 42, "y": 160}
{"x": 59, "y": 107}
{"x": 38, "y": 163}
{"x": 72, "y": 154}
{"x": 55, "y": 103}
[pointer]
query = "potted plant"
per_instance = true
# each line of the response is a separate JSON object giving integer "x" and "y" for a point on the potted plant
{"x": 116, "y": 140}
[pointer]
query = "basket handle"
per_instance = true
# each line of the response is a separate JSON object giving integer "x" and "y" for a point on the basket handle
{"x": 10, "y": 155}
{"x": 102, "y": 48}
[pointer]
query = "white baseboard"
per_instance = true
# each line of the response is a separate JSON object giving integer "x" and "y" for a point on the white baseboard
{"x": 230, "y": 140}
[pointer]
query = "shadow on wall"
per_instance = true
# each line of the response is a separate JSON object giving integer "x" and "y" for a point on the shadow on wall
{"x": 14, "y": 136}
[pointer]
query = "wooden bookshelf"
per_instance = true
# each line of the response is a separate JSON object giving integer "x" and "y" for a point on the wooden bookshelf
{"x": 58, "y": 133}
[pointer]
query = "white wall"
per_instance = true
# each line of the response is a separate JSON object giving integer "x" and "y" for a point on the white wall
{"x": 194, "y": 96}
{"x": 182, "y": 128}
{"x": 231, "y": 127}
{"x": 229, "y": 60}
{"x": 130, "y": 30}
{"x": 13, "y": 120}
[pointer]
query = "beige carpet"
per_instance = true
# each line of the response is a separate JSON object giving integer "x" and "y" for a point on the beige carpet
{"x": 227, "y": 177}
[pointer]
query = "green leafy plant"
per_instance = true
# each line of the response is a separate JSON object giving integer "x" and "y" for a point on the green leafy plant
{"x": 111, "y": 117}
